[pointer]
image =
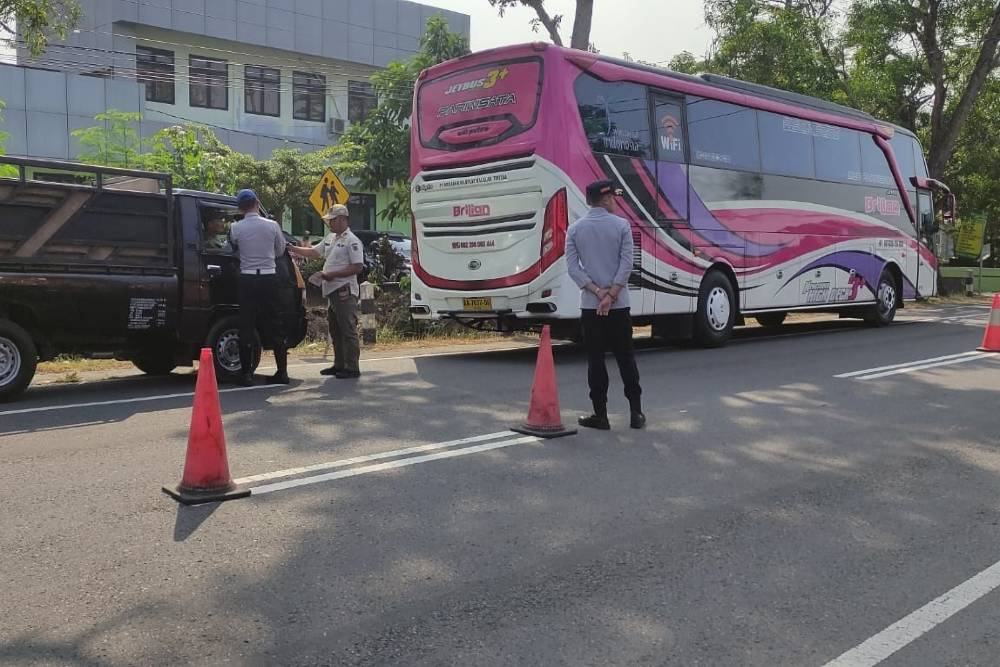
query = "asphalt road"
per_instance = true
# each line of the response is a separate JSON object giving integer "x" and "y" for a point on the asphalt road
{"x": 772, "y": 513}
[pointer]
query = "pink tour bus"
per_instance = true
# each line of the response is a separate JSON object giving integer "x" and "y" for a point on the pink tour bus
{"x": 743, "y": 200}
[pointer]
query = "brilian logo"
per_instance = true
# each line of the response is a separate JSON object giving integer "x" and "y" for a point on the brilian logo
{"x": 471, "y": 211}
{"x": 488, "y": 81}
{"x": 882, "y": 206}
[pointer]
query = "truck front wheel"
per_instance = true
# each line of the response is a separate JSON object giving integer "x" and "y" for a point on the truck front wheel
{"x": 224, "y": 341}
{"x": 18, "y": 359}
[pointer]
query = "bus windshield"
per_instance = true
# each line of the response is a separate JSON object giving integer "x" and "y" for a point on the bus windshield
{"x": 480, "y": 105}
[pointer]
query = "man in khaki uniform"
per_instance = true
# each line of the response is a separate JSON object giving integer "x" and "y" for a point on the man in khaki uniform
{"x": 344, "y": 261}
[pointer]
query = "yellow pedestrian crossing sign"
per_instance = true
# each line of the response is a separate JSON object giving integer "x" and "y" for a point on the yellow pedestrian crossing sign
{"x": 329, "y": 191}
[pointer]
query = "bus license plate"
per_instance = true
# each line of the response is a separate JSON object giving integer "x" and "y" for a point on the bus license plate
{"x": 478, "y": 303}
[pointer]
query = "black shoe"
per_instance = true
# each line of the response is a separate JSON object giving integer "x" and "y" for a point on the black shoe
{"x": 638, "y": 420}
{"x": 594, "y": 421}
{"x": 246, "y": 381}
{"x": 279, "y": 378}
{"x": 344, "y": 375}
{"x": 332, "y": 370}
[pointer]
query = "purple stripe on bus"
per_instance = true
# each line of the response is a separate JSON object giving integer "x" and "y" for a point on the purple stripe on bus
{"x": 672, "y": 179}
{"x": 864, "y": 264}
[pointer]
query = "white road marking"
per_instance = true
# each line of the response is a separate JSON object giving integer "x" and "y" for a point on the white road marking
{"x": 379, "y": 467}
{"x": 904, "y": 364}
{"x": 913, "y": 369}
{"x": 904, "y": 631}
{"x": 291, "y": 472}
{"x": 121, "y": 401}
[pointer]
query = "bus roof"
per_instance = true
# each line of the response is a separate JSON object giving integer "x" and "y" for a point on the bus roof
{"x": 717, "y": 81}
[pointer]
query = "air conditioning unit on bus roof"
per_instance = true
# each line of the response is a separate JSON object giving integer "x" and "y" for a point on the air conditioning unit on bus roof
{"x": 335, "y": 126}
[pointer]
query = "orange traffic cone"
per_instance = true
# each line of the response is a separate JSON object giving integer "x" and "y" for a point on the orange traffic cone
{"x": 206, "y": 476}
{"x": 543, "y": 413}
{"x": 991, "y": 339}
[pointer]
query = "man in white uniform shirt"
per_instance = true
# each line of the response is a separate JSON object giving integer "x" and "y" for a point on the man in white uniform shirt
{"x": 344, "y": 261}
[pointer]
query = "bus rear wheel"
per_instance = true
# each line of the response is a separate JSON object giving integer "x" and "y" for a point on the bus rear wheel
{"x": 713, "y": 323}
{"x": 886, "y": 300}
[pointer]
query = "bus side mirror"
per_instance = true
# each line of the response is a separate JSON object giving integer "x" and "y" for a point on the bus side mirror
{"x": 949, "y": 212}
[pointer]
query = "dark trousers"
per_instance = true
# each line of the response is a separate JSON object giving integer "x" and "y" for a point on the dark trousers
{"x": 614, "y": 332}
{"x": 260, "y": 310}
{"x": 342, "y": 316}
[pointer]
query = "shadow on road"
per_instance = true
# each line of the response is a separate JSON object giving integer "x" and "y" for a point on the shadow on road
{"x": 190, "y": 518}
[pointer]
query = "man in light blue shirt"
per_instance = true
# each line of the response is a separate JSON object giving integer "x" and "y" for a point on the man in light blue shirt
{"x": 259, "y": 242}
{"x": 599, "y": 259}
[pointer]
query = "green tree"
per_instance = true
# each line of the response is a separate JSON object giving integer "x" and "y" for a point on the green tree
{"x": 552, "y": 23}
{"x": 113, "y": 143}
{"x": 192, "y": 153}
{"x": 38, "y": 21}
{"x": 919, "y": 63}
{"x": 376, "y": 151}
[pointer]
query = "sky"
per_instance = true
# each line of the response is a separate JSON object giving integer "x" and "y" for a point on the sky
{"x": 650, "y": 30}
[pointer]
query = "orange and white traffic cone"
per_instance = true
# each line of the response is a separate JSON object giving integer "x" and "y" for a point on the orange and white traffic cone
{"x": 991, "y": 339}
{"x": 206, "y": 476}
{"x": 543, "y": 412}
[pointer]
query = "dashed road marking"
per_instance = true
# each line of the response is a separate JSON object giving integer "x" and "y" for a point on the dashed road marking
{"x": 909, "y": 628}
{"x": 389, "y": 465}
{"x": 291, "y": 472}
{"x": 909, "y": 366}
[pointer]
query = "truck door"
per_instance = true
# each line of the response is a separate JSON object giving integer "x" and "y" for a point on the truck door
{"x": 219, "y": 264}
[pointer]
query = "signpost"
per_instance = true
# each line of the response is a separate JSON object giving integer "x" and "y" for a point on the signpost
{"x": 983, "y": 256}
{"x": 970, "y": 239}
{"x": 329, "y": 191}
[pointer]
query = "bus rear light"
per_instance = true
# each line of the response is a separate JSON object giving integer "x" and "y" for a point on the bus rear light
{"x": 554, "y": 229}
{"x": 414, "y": 257}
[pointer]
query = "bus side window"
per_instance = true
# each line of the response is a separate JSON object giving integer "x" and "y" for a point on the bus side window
{"x": 670, "y": 135}
{"x": 722, "y": 135}
{"x": 838, "y": 153}
{"x": 786, "y": 147}
{"x": 615, "y": 116}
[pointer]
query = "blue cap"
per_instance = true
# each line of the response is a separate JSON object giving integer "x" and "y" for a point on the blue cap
{"x": 245, "y": 198}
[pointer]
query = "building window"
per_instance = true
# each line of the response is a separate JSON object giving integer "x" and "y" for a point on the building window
{"x": 309, "y": 96}
{"x": 262, "y": 87}
{"x": 209, "y": 86}
{"x": 361, "y": 99}
{"x": 155, "y": 68}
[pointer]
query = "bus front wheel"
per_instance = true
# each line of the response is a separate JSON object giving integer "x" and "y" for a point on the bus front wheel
{"x": 713, "y": 325}
{"x": 886, "y": 300}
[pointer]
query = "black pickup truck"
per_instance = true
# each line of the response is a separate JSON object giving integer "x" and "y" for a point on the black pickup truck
{"x": 114, "y": 263}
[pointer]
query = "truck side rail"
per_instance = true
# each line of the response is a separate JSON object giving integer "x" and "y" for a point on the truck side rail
{"x": 56, "y": 214}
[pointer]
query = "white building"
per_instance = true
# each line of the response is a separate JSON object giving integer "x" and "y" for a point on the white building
{"x": 263, "y": 74}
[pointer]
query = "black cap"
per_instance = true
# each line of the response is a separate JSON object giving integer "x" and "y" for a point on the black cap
{"x": 598, "y": 189}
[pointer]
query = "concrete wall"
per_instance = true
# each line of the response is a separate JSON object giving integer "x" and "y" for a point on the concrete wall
{"x": 44, "y": 107}
{"x": 367, "y": 32}
{"x": 956, "y": 277}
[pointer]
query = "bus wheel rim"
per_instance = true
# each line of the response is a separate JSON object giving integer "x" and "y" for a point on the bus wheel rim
{"x": 10, "y": 361}
{"x": 227, "y": 350}
{"x": 886, "y": 297}
{"x": 718, "y": 309}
